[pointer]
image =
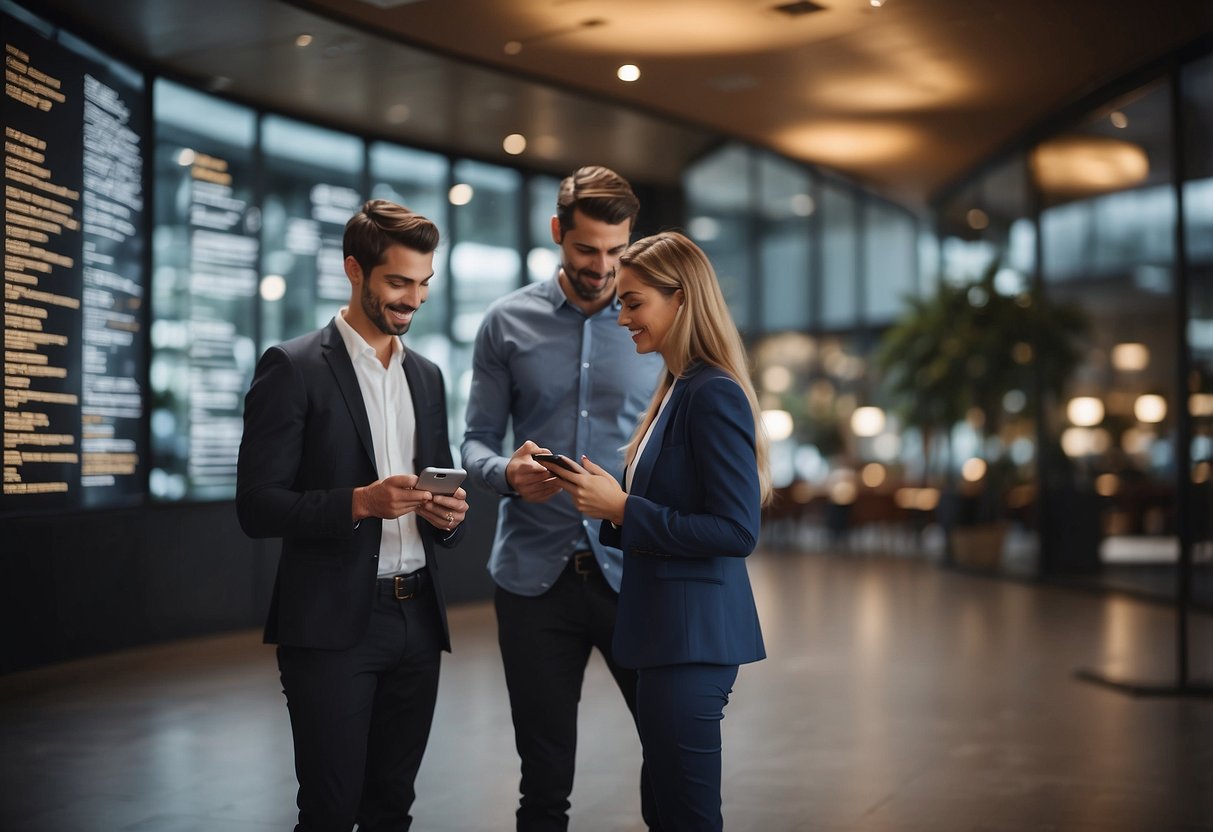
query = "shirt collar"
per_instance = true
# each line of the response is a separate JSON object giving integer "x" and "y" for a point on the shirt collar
{"x": 357, "y": 346}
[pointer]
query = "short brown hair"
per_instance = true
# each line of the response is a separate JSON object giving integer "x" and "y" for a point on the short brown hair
{"x": 380, "y": 224}
{"x": 600, "y": 194}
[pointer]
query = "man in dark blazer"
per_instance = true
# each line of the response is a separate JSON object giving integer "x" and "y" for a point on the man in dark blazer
{"x": 337, "y": 425}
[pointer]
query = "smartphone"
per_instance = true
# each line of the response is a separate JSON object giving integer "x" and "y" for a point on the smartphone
{"x": 442, "y": 481}
{"x": 556, "y": 459}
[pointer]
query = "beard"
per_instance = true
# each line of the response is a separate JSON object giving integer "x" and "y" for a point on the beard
{"x": 374, "y": 312}
{"x": 583, "y": 289}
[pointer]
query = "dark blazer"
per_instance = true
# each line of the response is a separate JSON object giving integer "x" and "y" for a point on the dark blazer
{"x": 692, "y": 517}
{"x": 306, "y": 446}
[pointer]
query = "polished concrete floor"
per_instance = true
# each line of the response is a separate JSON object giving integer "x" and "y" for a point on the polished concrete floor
{"x": 898, "y": 697}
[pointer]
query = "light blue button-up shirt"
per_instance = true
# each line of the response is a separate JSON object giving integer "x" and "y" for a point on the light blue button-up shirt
{"x": 570, "y": 383}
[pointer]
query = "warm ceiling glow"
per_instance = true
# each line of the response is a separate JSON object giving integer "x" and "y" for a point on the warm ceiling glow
{"x": 1130, "y": 357}
{"x": 700, "y": 27}
{"x": 460, "y": 194}
{"x": 778, "y": 424}
{"x": 867, "y": 421}
{"x": 977, "y": 219}
{"x": 1119, "y": 120}
{"x": 512, "y": 47}
{"x": 1085, "y": 411}
{"x": 303, "y": 40}
{"x": 1089, "y": 164}
{"x": 1150, "y": 408}
{"x": 628, "y": 72}
{"x": 514, "y": 144}
{"x": 846, "y": 143}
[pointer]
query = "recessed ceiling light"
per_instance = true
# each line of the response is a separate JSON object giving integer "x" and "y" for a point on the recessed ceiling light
{"x": 876, "y": 4}
{"x": 628, "y": 72}
{"x": 514, "y": 144}
{"x": 397, "y": 113}
{"x": 1119, "y": 119}
{"x": 460, "y": 194}
{"x": 303, "y": 40}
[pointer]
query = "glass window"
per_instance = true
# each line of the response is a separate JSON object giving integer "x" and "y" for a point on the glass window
{"x": 542, "y": 256}
{"x": 840, "y": 252}
{"x": 485, "y": 261}
{"x": 890, "y": 261}
{"x": 1108, "y": 230}
{"x": 419, "y": 180}
{"x": 1196, "y": 90}
{"x": 719, "y": 205}
{"x": 313, "y": 185}
{"x": 205, "y": 258}
{"x": 785, "y": 203}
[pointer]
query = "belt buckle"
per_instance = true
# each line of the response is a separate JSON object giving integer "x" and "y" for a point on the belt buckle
{"x": 582, "y": 563}
{"x": 400, "y": 585}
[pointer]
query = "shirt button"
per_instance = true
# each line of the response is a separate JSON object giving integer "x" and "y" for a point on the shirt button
{"x": 606, "y": 566}
{"x": 585, "y": 413}
{"x": 585, "y": 522}
{"x": 586, "y": 365}
{"x": 544, "y": 585}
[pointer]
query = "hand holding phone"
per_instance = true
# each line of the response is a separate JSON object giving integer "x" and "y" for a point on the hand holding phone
{"x": 555, "y": 459}
{"x": 444, "y": 481}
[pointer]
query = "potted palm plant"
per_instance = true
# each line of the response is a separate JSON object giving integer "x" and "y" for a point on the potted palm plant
{"x": 956, "y": 355}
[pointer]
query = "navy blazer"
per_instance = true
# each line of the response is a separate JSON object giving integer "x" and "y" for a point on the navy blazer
{"x": 306, "y": 446}
{"x": 692, "y": 517}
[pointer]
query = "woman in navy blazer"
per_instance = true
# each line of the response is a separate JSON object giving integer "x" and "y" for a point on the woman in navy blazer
{"x": 686, "y": 518}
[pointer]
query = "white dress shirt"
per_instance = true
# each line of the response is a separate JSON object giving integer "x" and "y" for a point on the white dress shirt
{"x": 389, "y": 408}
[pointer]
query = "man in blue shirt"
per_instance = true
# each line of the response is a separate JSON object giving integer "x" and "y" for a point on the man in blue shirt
{"x": 552, "y": 359}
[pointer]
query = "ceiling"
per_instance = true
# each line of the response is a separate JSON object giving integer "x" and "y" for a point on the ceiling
{"x": 904, "y": 98}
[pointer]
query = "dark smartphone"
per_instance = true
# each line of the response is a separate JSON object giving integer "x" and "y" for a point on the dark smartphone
{"x": 556, "y": 459}
{"x": 444, "y": 481}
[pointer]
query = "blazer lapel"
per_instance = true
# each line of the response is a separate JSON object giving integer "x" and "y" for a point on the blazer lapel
{"x": 419, "y": 393}
{"x": 644, "y": 467}
{"x": 338, "y": 359}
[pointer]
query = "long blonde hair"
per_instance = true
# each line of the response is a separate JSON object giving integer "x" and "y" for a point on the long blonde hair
{"x": 703, "y": 331}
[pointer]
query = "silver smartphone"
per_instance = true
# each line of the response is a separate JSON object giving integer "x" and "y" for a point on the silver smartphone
{"x": 443, "y": 481}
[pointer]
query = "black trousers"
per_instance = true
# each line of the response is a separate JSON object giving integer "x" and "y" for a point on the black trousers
{"x": 361, "y": 717}
{"x": 545, "y": 645}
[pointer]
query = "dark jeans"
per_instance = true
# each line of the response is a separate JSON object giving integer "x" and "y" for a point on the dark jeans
{"x": 361, "y": 718}
{"x": 545, "y": 645}
{"x": 679, "y": 710}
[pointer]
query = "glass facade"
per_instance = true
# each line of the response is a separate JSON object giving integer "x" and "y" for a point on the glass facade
{"x": 1196, "y": 143}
